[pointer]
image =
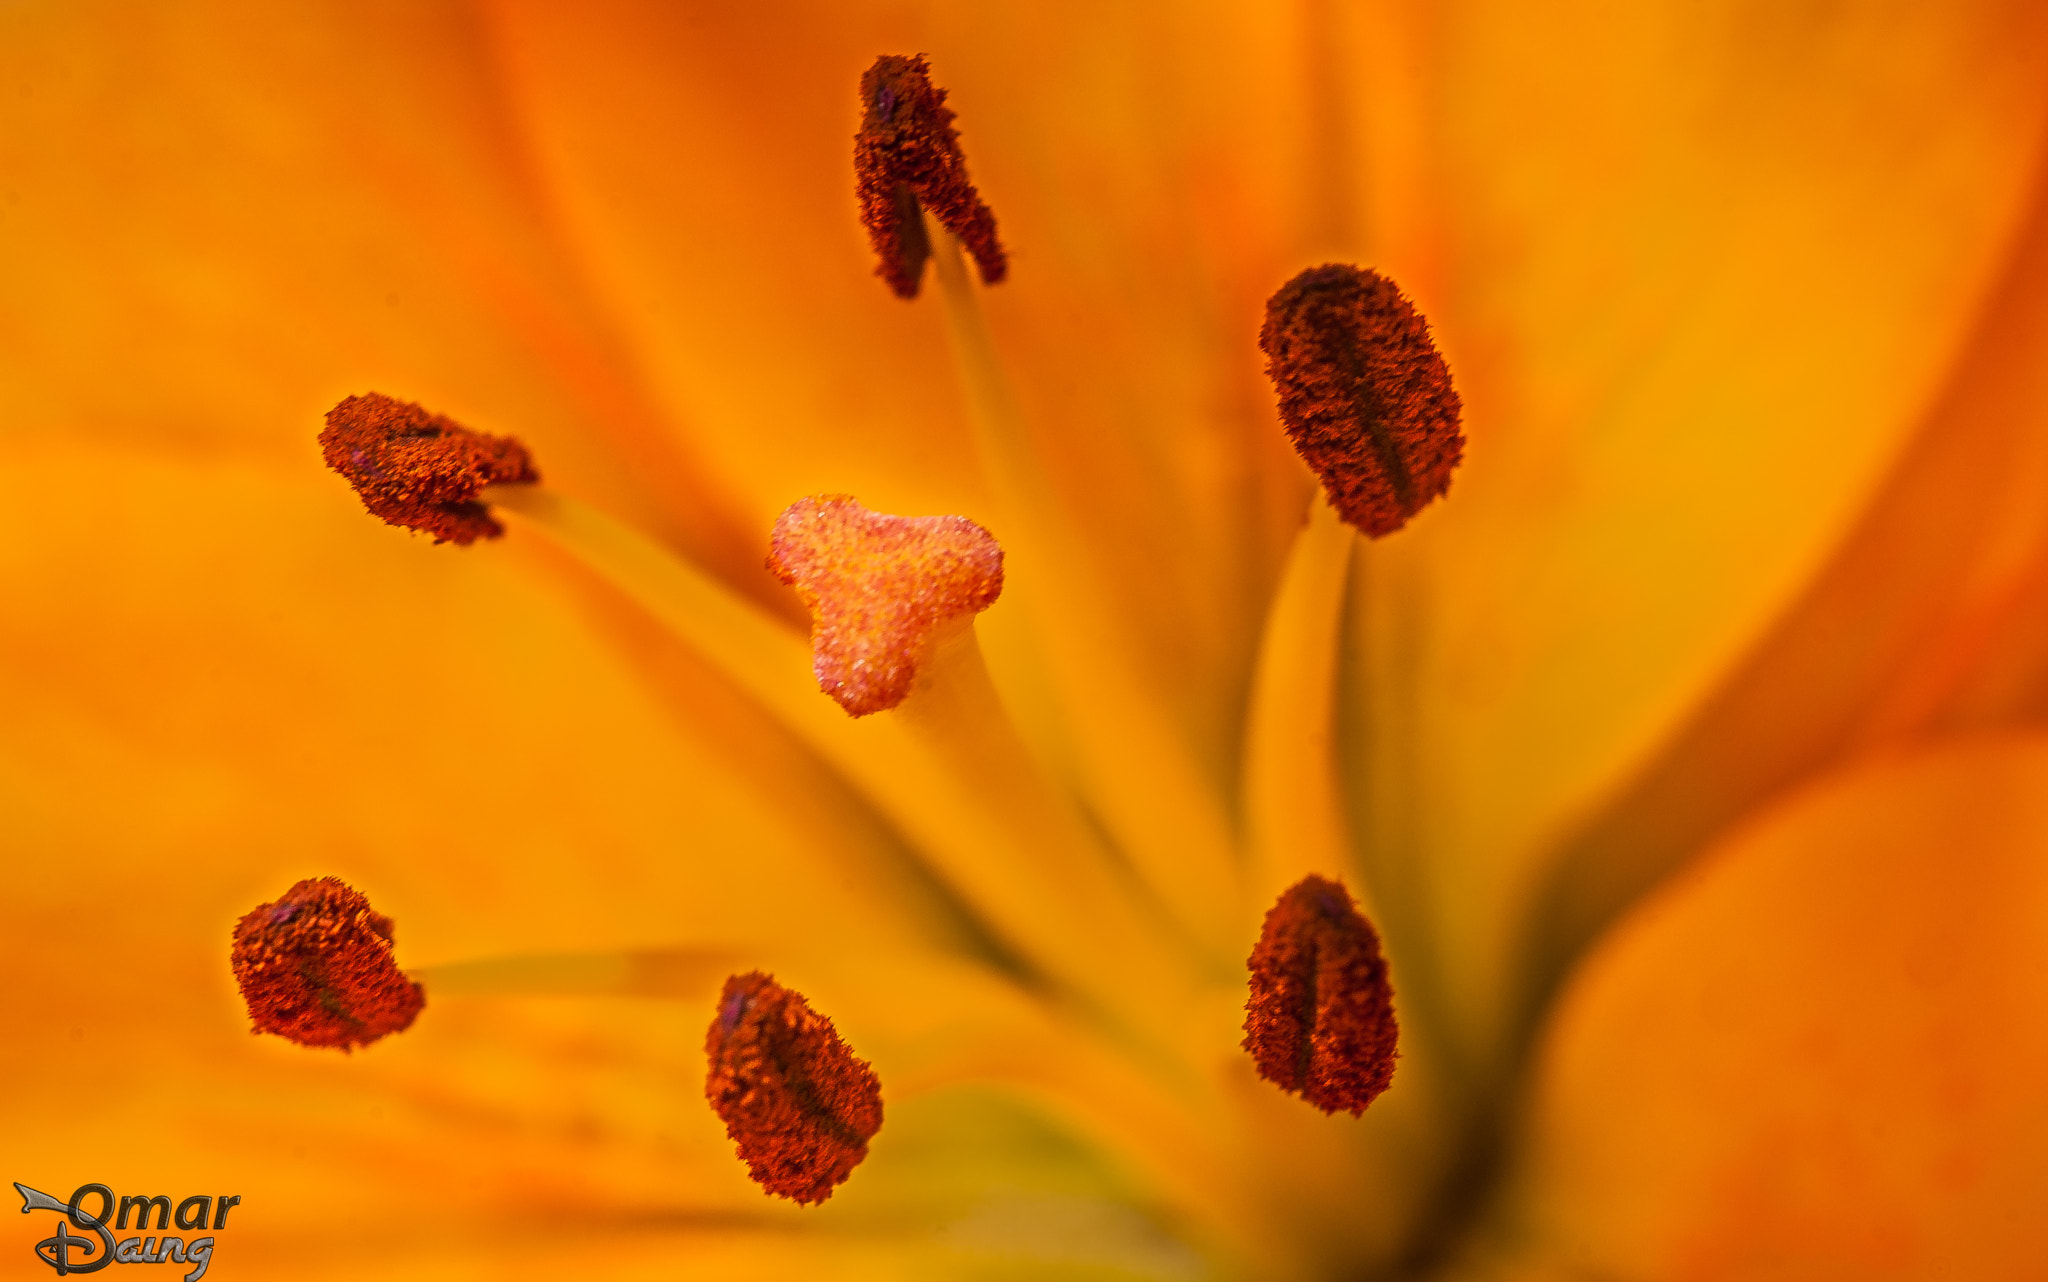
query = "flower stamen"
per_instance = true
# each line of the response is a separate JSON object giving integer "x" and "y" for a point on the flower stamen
{"x": 798, "y": 1104}
{"x": 316, "y": 968}
{"x": 1293, "y": 800}
{"x": 1366, "y": 397}
{"x": 907, "y": 158}
{"x": 879, "y": 589}
{"x": 1320, "y": 1018}
{"x": 420, "y": 470}
{"x": 1141, "y": 779}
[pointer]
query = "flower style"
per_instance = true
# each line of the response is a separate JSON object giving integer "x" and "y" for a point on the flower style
{"x": 1687, "y": 751}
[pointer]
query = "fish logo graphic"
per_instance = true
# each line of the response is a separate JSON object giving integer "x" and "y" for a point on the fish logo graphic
{"x": 56, "y": 1250}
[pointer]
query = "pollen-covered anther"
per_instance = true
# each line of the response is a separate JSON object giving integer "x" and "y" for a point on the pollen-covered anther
{"x": 1320, "y": 1019}
{"x": 421, "y": 470}
{"x": 316, "y": 967}
{"x": 799, "y": 1105}
{"x": 906, "y": 157}
{"x": 1365, "y": 395}
{"x": 879, "y": 588}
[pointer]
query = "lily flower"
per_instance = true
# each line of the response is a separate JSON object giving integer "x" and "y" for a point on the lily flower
{"x": 1686, "y": 757}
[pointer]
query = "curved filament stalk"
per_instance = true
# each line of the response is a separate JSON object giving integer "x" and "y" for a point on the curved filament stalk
{"x": 1294, "y": 811}
{"x": 1140, "y": 777}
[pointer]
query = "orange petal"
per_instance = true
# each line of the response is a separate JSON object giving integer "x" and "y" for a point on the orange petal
{"x": 1699, "y": 281}
{"x": 251, "y": 212}
{"x": 1819, "y": 1052}
{"x": 1930, "y": 616}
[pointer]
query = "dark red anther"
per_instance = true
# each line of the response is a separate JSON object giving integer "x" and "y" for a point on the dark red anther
{"x": 316, "y": 968}
{"x": 907, "y": 156}
{"x": 799, "y": 1105}
{"x": 1320, "y": 1019}
{"x": 420, "y": 470}
{"x": 1366, "y": 397}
